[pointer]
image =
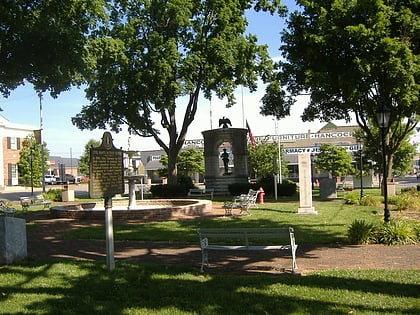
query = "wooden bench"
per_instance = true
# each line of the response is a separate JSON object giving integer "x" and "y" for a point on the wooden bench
{"x": 242, "y": 202}
{"x": 196, "y": 192}
{"x": 39, "y": 200}
{"x": 246, "y": 239}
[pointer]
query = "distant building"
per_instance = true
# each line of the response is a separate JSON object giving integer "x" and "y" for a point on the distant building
{"x": 292, "y": 145}
{"x": 12, "y": 136}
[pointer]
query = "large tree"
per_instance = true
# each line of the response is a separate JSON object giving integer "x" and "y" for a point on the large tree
{"x": 153, "y": 54}
{"x": 30, "y": 162}
{"x": 352, "y": 57}
{"x": 44, "y": 42}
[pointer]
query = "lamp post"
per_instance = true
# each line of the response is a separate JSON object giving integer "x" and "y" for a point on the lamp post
{"x": 32, "y": 172}
{"x": 382, "y": 117}
{"x": 360, "y": 148}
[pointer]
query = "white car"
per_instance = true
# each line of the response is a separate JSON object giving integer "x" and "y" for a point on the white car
{"x": 50, "y": 179}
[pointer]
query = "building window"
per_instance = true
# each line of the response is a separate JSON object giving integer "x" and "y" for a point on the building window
{"x": 13, "y": 143}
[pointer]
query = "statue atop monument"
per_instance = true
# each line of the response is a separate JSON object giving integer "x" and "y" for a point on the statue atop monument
{"x": 224, "y": 122}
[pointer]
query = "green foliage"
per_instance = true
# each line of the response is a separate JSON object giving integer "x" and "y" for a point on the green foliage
{"x": 84, "y": 159}
{"x": 237, "y": 189}
{"x": 352, "y": 198}
{"x": 397, "y": 232}
{"x": 30, "y": 162}
{"x": 405, "y": 201}
{"x": 44, "y": 42}
{"x": 369, "y": 200}
{"x": 153, "y": 55}
{"x": 263, "y": 160}
{"x": 187, "y": 163}
{"x": 353, "y": 56}
{"x": 53, "y": 194}
{"x": 334, "y": 159}
{"x": 167, "y": 191}
{"x": 360, "y": 232}
{"x": 180, "y": 189}
{"x": 287, "y": 188}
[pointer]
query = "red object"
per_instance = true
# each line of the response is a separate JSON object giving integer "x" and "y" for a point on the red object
{"x": 261, "y": 195}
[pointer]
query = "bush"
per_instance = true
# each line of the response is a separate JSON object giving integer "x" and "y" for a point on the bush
{"x": 351, "y": 198}
{"x": 287, "y": 188}
{"x": 237, "y": 189}
{"x": 167, "y": 191}
{"x": 405, "y": 201}
{"x": 397, "y": 232}
{"x": 369, "y": 200}
{"x": 53, "y": 195}
{"x": 361, "y": 232}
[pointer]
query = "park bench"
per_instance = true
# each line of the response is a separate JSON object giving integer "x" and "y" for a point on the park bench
{"x": 197, "y": 192}
{"x": 38, "y": 200}
{"x": 246, "y": 239}
{"x": 242, "y": 202}
{"x": 5, "y": 209}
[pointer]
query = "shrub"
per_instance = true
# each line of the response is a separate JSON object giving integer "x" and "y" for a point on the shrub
{"x": 53, "y": 195}
{"x": 369, "y": 200}
{"x": 167, "y": 191}
{"x": 360, "y": 232}
{"x": 287, "y": 188}
{"x": 404, "y": 201}
{"x": 397, "y": 232}
{"x": 237, "y": 189}
{"x": 351, "y": 198}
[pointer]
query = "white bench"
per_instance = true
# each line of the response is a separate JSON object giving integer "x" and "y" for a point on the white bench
{"x": 196, "y": 192}
{"x": 246, "y": 239}
{"x": 242, "y": 202}
{"x": 39, "y": 200}
{"x": 5, "y": 209}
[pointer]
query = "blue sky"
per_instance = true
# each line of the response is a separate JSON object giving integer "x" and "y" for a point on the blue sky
{"x": 64, "y": 139}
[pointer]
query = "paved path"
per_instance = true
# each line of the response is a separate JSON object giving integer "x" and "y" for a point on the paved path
{"x": 45, "y": 241}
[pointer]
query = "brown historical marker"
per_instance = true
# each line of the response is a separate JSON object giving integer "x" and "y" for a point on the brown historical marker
{"x": 106, "y": 169}
{"x": 107, "y": 180}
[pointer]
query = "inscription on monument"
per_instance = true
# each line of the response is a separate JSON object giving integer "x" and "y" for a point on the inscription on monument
{"x": 106, "y": 169}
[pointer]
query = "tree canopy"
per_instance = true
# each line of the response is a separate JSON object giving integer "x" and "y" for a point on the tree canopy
{"x": 153, "y": 55}
{"x": 30, "y": 162}
{"x": 263, "y": 160}
{"x": 335, "y": 160}
{"x": 352, "y": 57}
{"x": 44, "y": 42}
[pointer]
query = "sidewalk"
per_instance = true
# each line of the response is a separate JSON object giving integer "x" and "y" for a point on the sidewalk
{"x": 45, "y": 241}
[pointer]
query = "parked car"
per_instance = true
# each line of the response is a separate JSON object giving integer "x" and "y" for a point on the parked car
{"x": 50, "y": 179}
{"x": 69, "y": 178}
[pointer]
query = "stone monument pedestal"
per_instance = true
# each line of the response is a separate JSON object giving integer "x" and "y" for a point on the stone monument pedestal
{"x": 12, "y": 240}
{"x": 305, "y": 185}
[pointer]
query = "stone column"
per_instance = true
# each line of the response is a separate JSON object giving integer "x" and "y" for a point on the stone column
{"x": 305, "y": 184}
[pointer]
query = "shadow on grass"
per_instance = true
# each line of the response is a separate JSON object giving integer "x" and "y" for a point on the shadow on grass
{"x": 87, "y": 288}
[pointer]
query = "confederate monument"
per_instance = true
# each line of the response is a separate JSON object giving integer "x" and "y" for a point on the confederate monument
{"x": 225, "y": 157}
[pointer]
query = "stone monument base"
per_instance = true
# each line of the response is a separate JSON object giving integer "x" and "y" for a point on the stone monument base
{"x": 307, "y": 210}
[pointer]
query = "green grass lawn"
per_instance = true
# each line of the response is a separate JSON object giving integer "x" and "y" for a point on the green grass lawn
{"x": 78, "y": 287}
{"x": 329, "y": 226}
{"x": 54, "y": 287}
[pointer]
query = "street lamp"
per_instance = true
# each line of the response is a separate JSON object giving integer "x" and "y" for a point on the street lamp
{"x": 360, "y": 148}
{"x": 382, "y": 118}
{"x": 32, "y": 172}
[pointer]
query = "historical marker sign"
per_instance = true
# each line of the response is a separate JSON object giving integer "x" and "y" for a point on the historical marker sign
{"x": 106, "y": 169}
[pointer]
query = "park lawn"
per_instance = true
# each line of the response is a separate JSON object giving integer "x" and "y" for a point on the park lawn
{"x": 80, "y": 287}
{"x": 327, "y": 227}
